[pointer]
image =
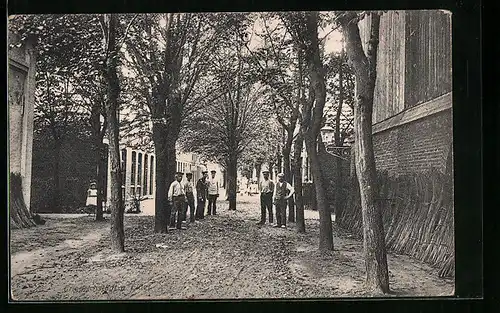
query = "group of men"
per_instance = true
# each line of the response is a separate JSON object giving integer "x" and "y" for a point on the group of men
{"x": 274, "y": 193}
{"x": 181, "y": 197}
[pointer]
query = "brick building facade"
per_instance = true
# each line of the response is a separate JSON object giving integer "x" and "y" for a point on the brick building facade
{"x": 412, "y": 106}
{"x": 412, "y": 137}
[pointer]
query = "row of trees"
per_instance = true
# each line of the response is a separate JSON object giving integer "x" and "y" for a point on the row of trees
{"x": 198, "y": 75}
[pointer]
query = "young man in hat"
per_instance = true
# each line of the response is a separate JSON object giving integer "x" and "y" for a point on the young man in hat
{"x": 177, "y": 200}
{"x": 266, "y": 189}
{"x": 202, "y": 194}
{"x": 213, "y": 194}
{"x": 188, "y": 189}
{"x": 282, "y": 191}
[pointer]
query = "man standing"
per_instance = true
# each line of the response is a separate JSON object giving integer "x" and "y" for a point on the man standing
{"x": 188, "y": 189}
{"x": 177, "y": 200}
{"x": 266, "y": 188}
{"x": 213, "y": 194}
{"x": 202, "y": 194}
{"x": 282, "y": 191}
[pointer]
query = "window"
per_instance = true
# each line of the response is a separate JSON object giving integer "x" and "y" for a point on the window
{"x": 151, "y": 175}
{"x": 132, "y": 173}
{"x": 307, "y": 168}
{"x": 139, "y": 174}
{"x": 145, "y": 190}
{"x": 124, "y": 165}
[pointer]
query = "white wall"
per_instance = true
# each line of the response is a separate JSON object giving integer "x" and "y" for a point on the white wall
{"x": 21, "y": 84}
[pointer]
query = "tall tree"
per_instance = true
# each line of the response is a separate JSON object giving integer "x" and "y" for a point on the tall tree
{"x": 277, "y": 66}
{"x": 340, "y": 88}
{"x": 55, "y": 108}
{"x": 109, "y": 24}
{"x": 304, "y": 29}
{"x": 365, "y": 69}
{"x": 55, "y": 111}
{"x": 168, "y": 54}
{"x": 297, "y": 150}
{"x": 68, "y": 87}
{"x": 262, "y": 149}
{"x": 92, "y": 92}
{"x": 224, "y": 130}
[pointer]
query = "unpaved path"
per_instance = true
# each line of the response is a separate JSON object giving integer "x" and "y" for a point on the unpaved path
{"x": 223, "y": 256}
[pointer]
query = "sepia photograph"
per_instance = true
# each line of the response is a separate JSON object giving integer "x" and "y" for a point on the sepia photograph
{"x": 230, "y": 155}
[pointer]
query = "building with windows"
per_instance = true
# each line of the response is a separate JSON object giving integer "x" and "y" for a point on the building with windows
{"x": 139, "y": 171}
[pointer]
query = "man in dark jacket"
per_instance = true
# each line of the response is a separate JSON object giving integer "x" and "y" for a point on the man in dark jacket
{"x": 188, "y": 189}
{"x": 282, "y": 191}
{"x": 202, "y": 194}
{"x": 266, "y": 189}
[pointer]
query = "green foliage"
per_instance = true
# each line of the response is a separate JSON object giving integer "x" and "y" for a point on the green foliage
{"x": 334, "y": 64}
{"x": 68, "y": 67}
{"x": 77, "y": 168}
{"x": 236, "y": 123}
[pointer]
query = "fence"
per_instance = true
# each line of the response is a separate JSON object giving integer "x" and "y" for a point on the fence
{"x": 418, "y": 217}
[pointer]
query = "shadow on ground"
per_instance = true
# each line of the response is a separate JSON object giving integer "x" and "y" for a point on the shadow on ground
{"x": 220, "y": 257}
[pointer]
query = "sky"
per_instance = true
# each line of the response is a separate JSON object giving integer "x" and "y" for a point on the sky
{"x": 332, "y": 45}
{"x": 333, "y": 39}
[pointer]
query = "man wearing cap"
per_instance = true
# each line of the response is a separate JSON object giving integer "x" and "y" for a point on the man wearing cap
{"x": 282, "y": 191}
{"x": 188, "y": 189}
{"x": 202, "y": 194}
{"x": 213, "y": 194}
{"x": 266, "y": 188}
{"x": 177, "y": 200}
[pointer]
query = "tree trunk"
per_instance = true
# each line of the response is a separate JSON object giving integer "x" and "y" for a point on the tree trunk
{"x": 162, "y": 207}
{"x": 231, "y": 181}
{"x": 258, "y": 168}
{"x": 20, "y": 217}
{"x": 225, "y": 184}
{"x": 312, "y": 121}
{"x": 297, "y": 176}
{"x": 339, "y": 142}
{"x": 113, "y": 131}
{"x": 56, "y": 177}
{"x": 101, "y": 179}
{"x": 278, "y": 164}
{"x": 288, "y": 175}
{"x": 377, "y": 277}
{"x": 224, "y": 179}
{"x": 325, "y": 217}
{"x": 164, "y": 175}
{"x": 291, "y": 206}
{"x": 373, "y": 230}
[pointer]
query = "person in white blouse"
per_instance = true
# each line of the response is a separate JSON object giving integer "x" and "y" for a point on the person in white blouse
{"x": 282, "y": 191}
{"x": 213, "y": 194}
{"x": 177, "y": 199}
{"x": 92, "y": 195}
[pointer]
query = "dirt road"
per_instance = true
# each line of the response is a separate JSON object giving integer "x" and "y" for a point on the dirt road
{"x": 221, "y": 257}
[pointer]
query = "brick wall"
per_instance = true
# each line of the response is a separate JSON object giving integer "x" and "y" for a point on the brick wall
{"x": 416, "y": 146}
